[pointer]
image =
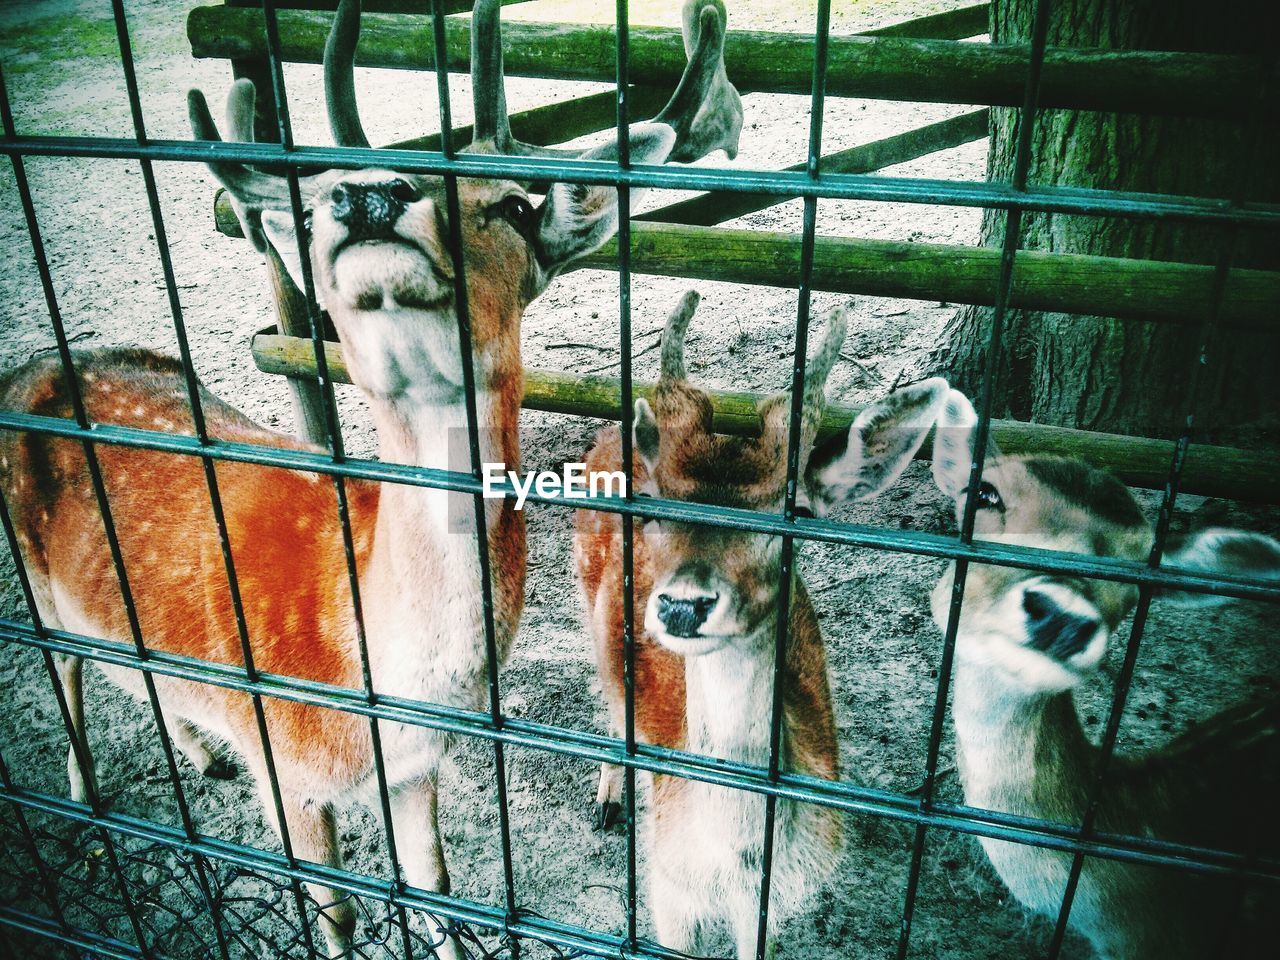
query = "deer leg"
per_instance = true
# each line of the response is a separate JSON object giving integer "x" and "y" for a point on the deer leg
{"x": 674, "y": 911}
{"x": 609, "y": 793}
{"x": 195, "y": 747}
{"x": 417, "y": 828}
{"x": 84, "y": 782}
{"x": 313, "y": 835}
{"x": 745, "y": 920}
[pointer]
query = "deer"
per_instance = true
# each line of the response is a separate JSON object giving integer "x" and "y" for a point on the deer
{"x": 379, "y": 249}
{"x": 1026, "y": 641}
{"x": 704, "y": 658}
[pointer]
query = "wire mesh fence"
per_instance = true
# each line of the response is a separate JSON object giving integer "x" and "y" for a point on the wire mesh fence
{"x": 79, "y": 879}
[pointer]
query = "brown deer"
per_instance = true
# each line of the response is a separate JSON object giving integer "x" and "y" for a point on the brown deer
{"x": 1027, "y": 640}
{"x": 704, "y": 660}
{"x": 379, "y": 250}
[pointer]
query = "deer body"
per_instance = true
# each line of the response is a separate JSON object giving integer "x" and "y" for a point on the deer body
{"x": 1025, "y": 641}
{"x": 708, "y": 840}
{"x": 420, "y": 586}
{"x": 385, "y": 267}
{"x": 704, "y": 660}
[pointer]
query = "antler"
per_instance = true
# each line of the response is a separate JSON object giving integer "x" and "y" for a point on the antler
{"x": 705, "y": 111}
{"x": 492, "y": 129}
{"x": 816, "y": 372}
{"x": 699, "y": 131}
{"x": 673, "y": 336}
{"x": 339, "y": 76}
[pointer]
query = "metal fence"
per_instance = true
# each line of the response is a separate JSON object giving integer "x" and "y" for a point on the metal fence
{"x": 127, "y": 887}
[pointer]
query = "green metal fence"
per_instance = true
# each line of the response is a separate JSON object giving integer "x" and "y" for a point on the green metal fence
{"x": 203, "y": 914}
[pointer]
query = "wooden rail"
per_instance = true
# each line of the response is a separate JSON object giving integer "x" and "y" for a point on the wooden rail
{"x": 1149, "y": 290}
{"x": 721, "y": 205}
{"x": 1138, "y": 461}
{"x": 1061, "y": 282}
{"x": 948, "y": 25}
{"x": 885, "y": 67}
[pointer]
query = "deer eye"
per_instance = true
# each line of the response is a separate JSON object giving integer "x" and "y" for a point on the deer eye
{"x": 518, "y": 212}
{"x": 989, "y": 497}
{"x": 802, "y": 510}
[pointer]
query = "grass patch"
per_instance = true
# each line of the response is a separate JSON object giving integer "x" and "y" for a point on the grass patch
{"x": 31, "y": 43}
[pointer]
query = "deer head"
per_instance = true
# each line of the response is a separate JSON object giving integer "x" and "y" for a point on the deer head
{"x": 378, "y": 240}
{"x": 1044, "y": 633}
{"x": 712, "y": 586}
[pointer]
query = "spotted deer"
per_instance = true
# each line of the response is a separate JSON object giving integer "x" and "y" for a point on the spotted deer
{"x": 379, "y": 250}
{"x": 704, "y": 656}
{"x": 1027, "y": 640}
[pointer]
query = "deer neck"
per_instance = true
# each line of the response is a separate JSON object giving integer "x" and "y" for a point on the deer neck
{"x": 1019, "y": 753}
{"x": 729, "y": 699}
{"x": 421, "y": 585}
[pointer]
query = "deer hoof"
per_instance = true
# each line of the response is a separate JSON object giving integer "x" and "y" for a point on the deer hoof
{"x": 220, "y": 769}
{"x": 608, "y": 813}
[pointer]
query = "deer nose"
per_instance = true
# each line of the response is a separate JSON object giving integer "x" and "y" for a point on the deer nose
{"x": 1058, "y": 632}
{"x": 370, "y": 210}
{"x": 682, "y": 616}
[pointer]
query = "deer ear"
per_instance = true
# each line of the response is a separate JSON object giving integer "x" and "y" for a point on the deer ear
{"x": 878, "y": 446}
{"x": 1222, "y": 550}
{"x": 579, "y": 218}
{"x": 283, "y": 238}
{"x": 953, "y": 444}
{"x": 645, "y": 436}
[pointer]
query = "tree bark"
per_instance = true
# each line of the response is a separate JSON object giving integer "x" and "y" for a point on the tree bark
{"x": 1128, "y": 376}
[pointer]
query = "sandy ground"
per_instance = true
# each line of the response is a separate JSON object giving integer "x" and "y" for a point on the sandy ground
{"x": 63, "y": 76}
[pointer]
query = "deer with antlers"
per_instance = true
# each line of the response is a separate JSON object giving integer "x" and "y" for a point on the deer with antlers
{"x": 1027, "y": 640}
{"x": 704, "y": 660}
{"x": 379, "y": 250}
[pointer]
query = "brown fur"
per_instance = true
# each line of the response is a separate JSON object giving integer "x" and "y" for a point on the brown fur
{"x": 659, "y": 678}
{"x": 293, "y": 582}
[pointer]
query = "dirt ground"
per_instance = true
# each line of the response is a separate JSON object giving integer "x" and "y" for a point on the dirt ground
{"x": 63, "y": 77}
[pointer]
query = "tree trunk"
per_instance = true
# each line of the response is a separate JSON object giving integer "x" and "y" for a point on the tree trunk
{"x": 1127, "y": 376}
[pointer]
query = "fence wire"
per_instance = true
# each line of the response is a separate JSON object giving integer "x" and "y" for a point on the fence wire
{"x": 79, "y": 880}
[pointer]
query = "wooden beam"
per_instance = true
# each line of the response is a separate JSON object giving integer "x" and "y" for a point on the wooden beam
{"x": 422, "y": 7}
{"x": 563, "y": 120}
{"x": 1138, "y": 461}
{"x": 721, "y": 205}
{"x": 1149, "y": 290}
{"x": 948, "y": 25}
{"x": 892, "y": 68}
{"x": 1059, "y": 282}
